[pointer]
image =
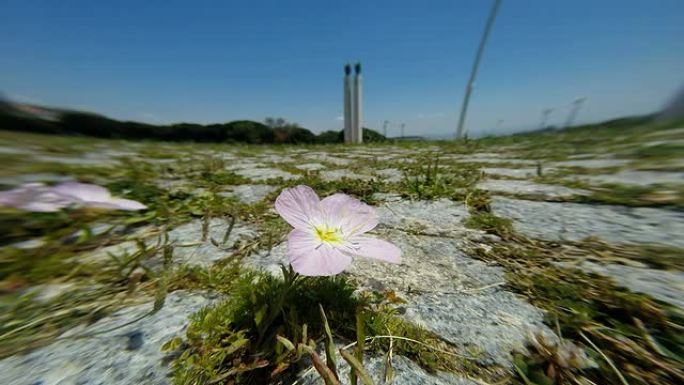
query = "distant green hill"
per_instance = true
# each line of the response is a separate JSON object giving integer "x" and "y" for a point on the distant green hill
{"x": 30, "y": 118}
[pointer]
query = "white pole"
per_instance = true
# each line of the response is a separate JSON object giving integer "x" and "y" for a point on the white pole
{"x": 384, "y": 128}
{"x": 545, "y": 117}
{"x": 347, "y": 100}
{"x": 576, "y": 106}
{"x": 357, "y": 126}
{"x": 476, "y": 64}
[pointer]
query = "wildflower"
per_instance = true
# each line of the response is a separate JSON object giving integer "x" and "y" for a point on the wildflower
{"x": 328, "y": 232}
{"x": 94, "y": 196}
{"x": 38, "y": 197}
{"x": 35, "y": 197}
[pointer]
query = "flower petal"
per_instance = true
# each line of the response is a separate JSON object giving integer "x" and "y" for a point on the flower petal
{"x": 298, "y": 205}
{"x": 35, "y": 197}
{"x": 349, "y": 214}
{"x": 374, "y": 248}
{"x": 83, "y": 191}
{"x": 40, "y": 198}
{"x": 116, "y": 204}
{"x": 308, "y": 256}
{"x": 127, "y": 204}
{"x": 41, "y": 207}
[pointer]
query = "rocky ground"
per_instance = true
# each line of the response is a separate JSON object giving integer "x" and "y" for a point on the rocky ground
{"x": 90, "y": 297}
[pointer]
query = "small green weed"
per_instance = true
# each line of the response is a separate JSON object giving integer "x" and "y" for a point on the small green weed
{"x": 428, "y": 181}
{"x": 241, "y": 332}
{"x": 490, "y": 223}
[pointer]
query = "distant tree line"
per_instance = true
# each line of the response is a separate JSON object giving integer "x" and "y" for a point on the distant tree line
{"x": 273, "y": 130}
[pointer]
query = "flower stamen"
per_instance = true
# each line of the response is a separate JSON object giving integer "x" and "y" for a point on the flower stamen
{"x": 327, "y": 234}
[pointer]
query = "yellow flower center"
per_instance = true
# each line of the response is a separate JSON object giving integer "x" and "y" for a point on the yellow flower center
{"x": 327, "y": 234}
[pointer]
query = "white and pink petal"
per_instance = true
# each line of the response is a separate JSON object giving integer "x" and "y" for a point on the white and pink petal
{"x": 116, "y": 204}
{"x": 83, "y": 191}
{"x": 40, "y": 198}
{"x": 127, "y": 204}
{"x": 349, "y": 214}
{"x": 369, "y": 247}
{"x": 298, "y": 206}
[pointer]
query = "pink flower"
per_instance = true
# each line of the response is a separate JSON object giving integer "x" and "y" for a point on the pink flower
{"x": 38, "y": 197}
{"x": 35, "y": 197}
{"x": 91, "y": 195}
{"x": 328, "y": 232}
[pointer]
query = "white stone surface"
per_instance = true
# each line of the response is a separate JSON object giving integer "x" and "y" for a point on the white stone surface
{"x": 332, "y": 175}
{"x": 523, "y": 187}
{"x": 521, "y": 173}
{"x": 635, "y": 178}
{"x": 245, "y": 164}
{"x": 249, "y": 193}
{"x": 16, "y": 151}
{"x": 593, "y": 163}
{"x": 187, "y": 241}
{"x": 191, "y": 250}
{"x": 437, "y": 217}
{"x": 327, "y": 158}
{"x": 34, "y": 178}
{"x": 87, "y": 159}
{"x": 387, "y": 197}
{"x": 663, "y": 285}
{"x": 128, "y": 355}
{"x": 576, "y": 221}
{"x": 310, "y": 166}
{"x": 28, "y": 244}
{"x": 262, "y": 174}
{"x": 502, "y": 161}
{"x": 276, "y": 158}
{"x": 391, "y": 175}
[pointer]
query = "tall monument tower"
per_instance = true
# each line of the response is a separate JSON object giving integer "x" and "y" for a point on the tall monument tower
{"x": 357, "y": 126}
{"x": 347, "y": 98}
{"x": 353, "y": 117}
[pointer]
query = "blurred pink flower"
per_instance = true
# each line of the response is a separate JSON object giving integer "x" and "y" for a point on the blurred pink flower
{"x": 328, "y": 232}
{"x": 91, "y": 195}
{"x": 41, "y": 198}
{"x": 34, "y": 197}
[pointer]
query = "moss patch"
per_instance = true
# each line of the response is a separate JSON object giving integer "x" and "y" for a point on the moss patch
{"x": 236, "y": 340}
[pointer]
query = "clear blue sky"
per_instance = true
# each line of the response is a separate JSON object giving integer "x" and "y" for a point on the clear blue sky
{"x": 201, "y": 61}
